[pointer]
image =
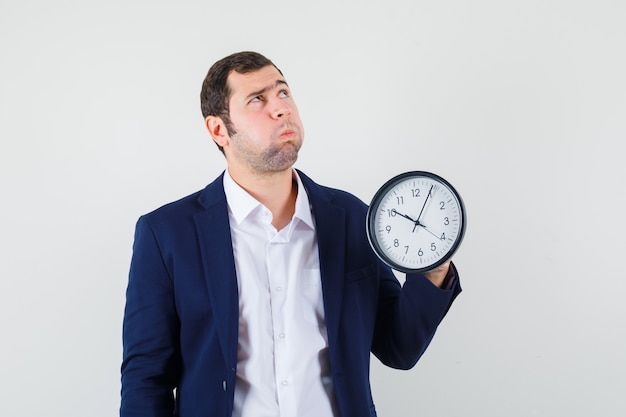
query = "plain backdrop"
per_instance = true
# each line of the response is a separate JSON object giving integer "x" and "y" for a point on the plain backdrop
{"x": 520, "y": 104}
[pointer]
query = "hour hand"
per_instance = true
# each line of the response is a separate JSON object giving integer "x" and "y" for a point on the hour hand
{"x": 403, "y": 215}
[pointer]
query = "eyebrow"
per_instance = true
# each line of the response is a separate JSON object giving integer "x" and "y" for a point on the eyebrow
{"x": 266, "y": 89}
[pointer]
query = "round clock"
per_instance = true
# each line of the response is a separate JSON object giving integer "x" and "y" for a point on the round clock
{"x": 416, "y": 222}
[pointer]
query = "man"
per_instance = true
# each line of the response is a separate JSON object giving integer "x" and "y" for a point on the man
{"x": 259, "y": 295}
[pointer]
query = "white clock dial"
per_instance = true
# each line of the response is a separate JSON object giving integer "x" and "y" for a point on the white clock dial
{"x": 416, "y": 222}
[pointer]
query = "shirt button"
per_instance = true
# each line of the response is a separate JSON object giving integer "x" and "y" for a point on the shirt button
{"x": 282, "y": 335}
{"x": 279, "y": 289}
{"x": 284, "y": 383}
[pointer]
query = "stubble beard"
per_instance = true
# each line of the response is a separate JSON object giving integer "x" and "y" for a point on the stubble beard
{"x": 278, "y": 157}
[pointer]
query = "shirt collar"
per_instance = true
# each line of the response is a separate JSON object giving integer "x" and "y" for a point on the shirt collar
{"x": 241, "y": 204}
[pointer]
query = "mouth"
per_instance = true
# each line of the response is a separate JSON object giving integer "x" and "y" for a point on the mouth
{"x": 287, "y": 133}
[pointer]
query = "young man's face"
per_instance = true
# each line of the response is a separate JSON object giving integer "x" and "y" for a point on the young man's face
{"x": 269, "y": 132}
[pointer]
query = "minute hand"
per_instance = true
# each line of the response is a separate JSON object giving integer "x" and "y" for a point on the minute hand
{"x": 425, "y": 201}
{"x": 417, "y": 222}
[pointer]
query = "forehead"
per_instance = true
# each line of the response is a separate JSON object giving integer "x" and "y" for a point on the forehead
{"x": 244, "y": 84}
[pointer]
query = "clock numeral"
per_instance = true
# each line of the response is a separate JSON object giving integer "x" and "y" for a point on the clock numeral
{"x": 406, "y": 250}
{"x": 391, "y": 213}
{"x": 442, "y": 205}
{"x": 446, "y": 221}
{"x": 420, "y": 252}
{"x": 433, "y": 247}
{"x": 388, "y": 229}
{"x": 443, "y": 236}
{"x": 400, "y": 200}
{"x": 416, "y": 192}
{"x": 396, "y": 243}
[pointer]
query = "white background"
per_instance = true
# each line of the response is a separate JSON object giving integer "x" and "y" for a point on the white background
{"x": 520, "y": 104}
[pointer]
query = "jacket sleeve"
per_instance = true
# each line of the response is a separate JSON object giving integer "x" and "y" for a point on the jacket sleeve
{"x": 408, "y": 316}
{"x": 150, "y": 332}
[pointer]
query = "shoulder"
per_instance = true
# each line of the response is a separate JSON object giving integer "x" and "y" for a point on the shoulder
{"x": 334, "y": 196}
{"x": 189, "y": 205}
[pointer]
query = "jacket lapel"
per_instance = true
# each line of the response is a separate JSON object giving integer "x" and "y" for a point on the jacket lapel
{"x": 219, "y": 266}
{"x": 331, "y": 240}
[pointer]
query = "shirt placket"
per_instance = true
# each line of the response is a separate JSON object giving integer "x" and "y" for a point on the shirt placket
{"x": 279, "y": 289}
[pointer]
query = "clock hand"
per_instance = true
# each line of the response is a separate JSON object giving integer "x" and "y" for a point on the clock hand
{"x": 425, "y": 228}
{"x": 417, "y": 222}
{"x": 425, "y": 201}
{"x": 403, "y": 215}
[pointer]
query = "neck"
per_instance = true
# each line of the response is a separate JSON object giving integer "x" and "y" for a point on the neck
{"x": 277, "y": 191}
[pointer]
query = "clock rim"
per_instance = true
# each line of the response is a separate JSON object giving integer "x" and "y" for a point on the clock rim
{"x": 375, "y": 202}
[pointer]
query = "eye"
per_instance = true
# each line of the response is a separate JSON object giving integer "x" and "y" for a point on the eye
{"x": 283, "y": 93}
{"x": 256, "y": 99}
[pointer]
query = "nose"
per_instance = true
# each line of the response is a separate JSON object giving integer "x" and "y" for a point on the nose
{"x": 281, "y": 110}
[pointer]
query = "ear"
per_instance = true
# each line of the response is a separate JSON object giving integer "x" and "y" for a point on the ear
{"x": 217, "y": 129}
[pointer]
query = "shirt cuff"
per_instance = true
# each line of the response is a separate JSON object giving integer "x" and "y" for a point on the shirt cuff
{"x": 450, "y": 279}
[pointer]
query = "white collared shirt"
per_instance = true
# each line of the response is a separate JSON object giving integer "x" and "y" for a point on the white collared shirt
{"x": 282, "y": 361}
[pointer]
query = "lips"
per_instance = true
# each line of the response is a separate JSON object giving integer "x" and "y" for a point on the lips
{"x": 287, "y": 133}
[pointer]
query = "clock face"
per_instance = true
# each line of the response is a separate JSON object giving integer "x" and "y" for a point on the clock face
{"x": 416, "y": 221}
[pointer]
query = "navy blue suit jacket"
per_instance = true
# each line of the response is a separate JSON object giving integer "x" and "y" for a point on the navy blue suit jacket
{"x": 181, "y": 317}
